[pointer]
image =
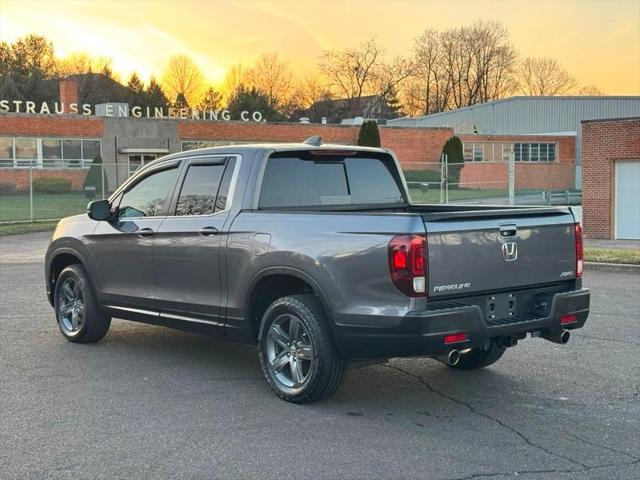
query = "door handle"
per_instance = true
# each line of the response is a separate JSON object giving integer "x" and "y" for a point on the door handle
{"x": 145, "y": 232}
{"x": 207, "y": 231}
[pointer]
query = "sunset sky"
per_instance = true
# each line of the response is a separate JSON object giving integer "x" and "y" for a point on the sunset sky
{"x": 597, "y": 41}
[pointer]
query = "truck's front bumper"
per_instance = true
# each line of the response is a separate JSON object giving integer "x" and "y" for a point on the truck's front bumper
{"x": 423, "y": 332}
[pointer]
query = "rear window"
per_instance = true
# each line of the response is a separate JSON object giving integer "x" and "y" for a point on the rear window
{"x": 300, "y": 182}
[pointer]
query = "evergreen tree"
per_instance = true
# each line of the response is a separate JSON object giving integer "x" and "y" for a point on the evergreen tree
{"x": 95, "y": 176}
{"x": 252, "y": 100}
{"x": 137, "y": 92}
{"x": 212, "y": 100}
{"x": 455, "y": 159}
{"x": 155, "y": 96}
{"x": 181, "y": 102}
{"x": 392, "y": 107}
{"x": 369, "y": 135}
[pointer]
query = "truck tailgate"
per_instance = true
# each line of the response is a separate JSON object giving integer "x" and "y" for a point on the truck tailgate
{"x": 476, "y": 251}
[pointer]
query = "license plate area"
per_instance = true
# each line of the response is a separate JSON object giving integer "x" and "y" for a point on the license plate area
{"x": 501, "y": 306}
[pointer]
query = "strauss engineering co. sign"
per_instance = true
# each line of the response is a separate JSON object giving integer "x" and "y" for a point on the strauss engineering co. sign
{"x": 124, "y": 110}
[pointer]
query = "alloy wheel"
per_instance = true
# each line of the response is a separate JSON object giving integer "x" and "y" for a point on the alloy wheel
{"x": 289, "y": 352}
{"x": 71, "y": 307}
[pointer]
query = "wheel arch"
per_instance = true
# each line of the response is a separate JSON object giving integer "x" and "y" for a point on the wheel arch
{"x": 275, "y": 282}
{"x": 60, "y": 259}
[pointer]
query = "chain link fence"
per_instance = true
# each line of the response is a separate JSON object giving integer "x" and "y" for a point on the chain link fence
{"x": 491, "y": 183}
{"x": 32, "y": 193}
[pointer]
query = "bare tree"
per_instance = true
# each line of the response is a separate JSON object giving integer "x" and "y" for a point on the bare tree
{"x": 351, "y": 72}
{"x": 183, "y": 78}
{"x": 80, "y": 62}
{"x": 307, "y": 94}
{"x": 234, "y": 78}
{"x": 590, "y": 91}
{"x": 430, "y": 87}
{"x": 272, "y": 76}
{"x": 495, "y": 61}
{"x": 544, "y": 76}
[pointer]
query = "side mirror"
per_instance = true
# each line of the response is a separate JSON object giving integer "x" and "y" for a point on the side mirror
{"x": 99, "y": 210}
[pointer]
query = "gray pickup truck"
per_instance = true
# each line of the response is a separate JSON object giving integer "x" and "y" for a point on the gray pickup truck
{"x": 316, "y": 253}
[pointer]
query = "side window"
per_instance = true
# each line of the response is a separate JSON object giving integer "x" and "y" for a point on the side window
{"x": 199, "y": 189}
{"x": 205, "y": 189}
{"x": 225, "y": 185}
{"x": 150, "y": 196}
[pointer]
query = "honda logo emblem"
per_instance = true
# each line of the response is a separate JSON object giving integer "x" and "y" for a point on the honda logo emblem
{"x": 510, "y": 251}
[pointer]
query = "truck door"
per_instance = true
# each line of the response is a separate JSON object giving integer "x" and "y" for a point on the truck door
{"x": 188, "y": 249}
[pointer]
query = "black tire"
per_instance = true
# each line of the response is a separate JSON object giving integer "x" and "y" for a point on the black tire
{"x": 479, "y": 358}
{"x": 325, "y": 371}
{"x": 93, "y": 324}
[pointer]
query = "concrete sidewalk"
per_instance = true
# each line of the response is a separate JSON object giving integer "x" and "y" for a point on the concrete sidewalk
{"x": 617, "y": 244}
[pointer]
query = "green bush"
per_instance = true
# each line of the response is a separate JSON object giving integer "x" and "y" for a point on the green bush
{"x": 369, "y": 135}
{"x": 94, "y": 177}
{"x": 430, "y": 176}
{"x": 52, "y": 185}
{"x": 7, "y": 188}
{"x": 455, "y": 157}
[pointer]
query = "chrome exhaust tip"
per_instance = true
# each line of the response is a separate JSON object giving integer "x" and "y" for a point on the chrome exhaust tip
{"x": 451, "y": 358}
{"x": 561, "y": 338}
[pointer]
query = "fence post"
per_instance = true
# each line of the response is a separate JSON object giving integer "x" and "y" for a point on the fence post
{"x": 512, "y": 178}
{"x": 446, "y": 178}
{"x": 442, "y": 178}
{"x": 31, "y": 191}
{"x": 102, "y": 171}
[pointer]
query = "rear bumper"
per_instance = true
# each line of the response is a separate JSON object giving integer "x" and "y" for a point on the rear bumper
{"x": 422, "y": 332}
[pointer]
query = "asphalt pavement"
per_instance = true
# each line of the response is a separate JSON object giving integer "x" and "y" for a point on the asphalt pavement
{"x": 149, "y": 402}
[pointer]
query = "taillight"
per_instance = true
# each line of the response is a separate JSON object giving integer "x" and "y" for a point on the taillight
{"x": 579, "y": 251}
{"x": 408, "y": 264}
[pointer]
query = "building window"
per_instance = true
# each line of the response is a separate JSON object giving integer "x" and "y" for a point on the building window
{"x": 72, "y": 153}
{"x": 26, "y": 151}
{"x": 535, "y": 152}
{"x": 48, "y": 152}
{"x": 478, "y": 152}
{"x": 6, "y": 152}
{"x": 51, "y": 152}
{"x": 90, "y": 150}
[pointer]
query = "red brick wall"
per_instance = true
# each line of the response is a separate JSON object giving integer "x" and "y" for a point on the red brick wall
{"x": 558, "y": 175}
{"x": 50, "y": 126}
{"x": 20, "y": 177}
{"x": 534, "y": 176}
{"x": 566, "y": 144}
{"x": 604, "y": 142}
{"x": 409, "y": 144}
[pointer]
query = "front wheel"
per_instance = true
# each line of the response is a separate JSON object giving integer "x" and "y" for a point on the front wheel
{"x": 479, "y": 358}
{"x": 296, "y": 350}
{"x": 79, "y": 317}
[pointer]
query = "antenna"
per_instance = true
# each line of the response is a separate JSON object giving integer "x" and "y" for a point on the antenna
{"x": 316, "y": 141}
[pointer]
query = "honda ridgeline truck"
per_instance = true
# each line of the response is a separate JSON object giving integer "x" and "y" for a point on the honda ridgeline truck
{"x": 316, "y": 254}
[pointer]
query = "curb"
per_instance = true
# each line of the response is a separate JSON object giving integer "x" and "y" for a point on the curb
{"x": 612, "y": 267}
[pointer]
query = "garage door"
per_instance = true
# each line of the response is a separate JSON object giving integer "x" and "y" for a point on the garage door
{"x": 628, "y": 199}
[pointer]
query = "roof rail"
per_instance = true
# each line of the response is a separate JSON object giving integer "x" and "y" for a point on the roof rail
{"x": 316, "y": 141}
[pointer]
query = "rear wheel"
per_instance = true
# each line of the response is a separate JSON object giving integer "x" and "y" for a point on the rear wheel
{"x": 296, "y": 350}
{"x": 79, "y": 317}
{"x": 479, "y": 358}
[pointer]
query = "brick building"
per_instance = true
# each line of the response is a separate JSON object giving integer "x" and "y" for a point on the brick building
{"x": 611, "y": 178}
{"x": 68, "y": 142}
